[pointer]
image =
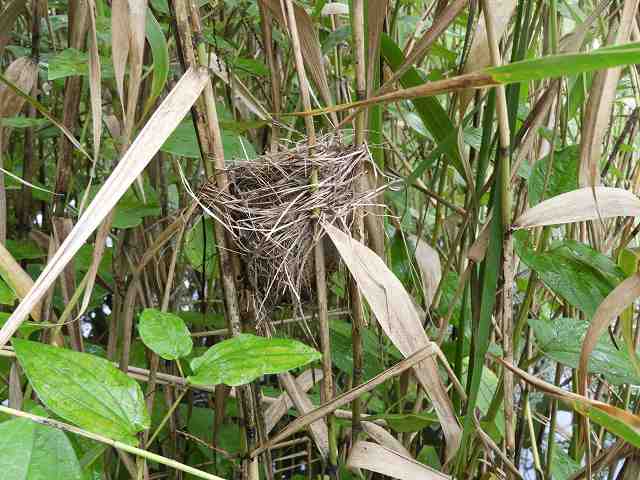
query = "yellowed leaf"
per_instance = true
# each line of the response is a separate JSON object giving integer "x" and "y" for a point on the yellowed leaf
{"x": 579, "y": 205}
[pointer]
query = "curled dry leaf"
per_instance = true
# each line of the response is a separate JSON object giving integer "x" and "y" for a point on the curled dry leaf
{"x": 479, "y": 57}
{"x": 23, "y": 73}
{"x": 384, "y": 438}
{"x": 309, "y": 43}
{"x": 396, "y": 314}
{"x": 620, "y": 422}
{"x": 600, "y": 103}
{"x": 579, "y": 205}
{"x": 611, "y": 308}
{"x": 283, "y": 403}
{"x": 164, "y": 121}
{"x": 380, "y": 459}
{"x": 430, "y": 268}
{"x": 120, "y": 32}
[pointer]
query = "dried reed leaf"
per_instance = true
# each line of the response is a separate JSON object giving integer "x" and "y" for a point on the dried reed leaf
{"x": 283, "y": 403}
{"x": 334, "y": 8}
{"x": 137, "y": 25}
{"x": 318, "y": 428}
{"x": 347, "y": 397}
{"x": 430, "y": 268}
{"x": 384, "y": 438}
{"x": 95, "y": 81}
{"x": 380, "y": 459}
{"x": 611, "y": 308}
{"x": 621, "y": 422}
{"x": 310, "y": 44}
{"x": 579, "y": 205}
{"x": 23, "y": 73}
{"x": 396, "y": 314}
{"x": 19, "y": 280}
{"x": 376, "y": 13}
{"x": 479, "y": 57}
{"x": 602, "y": 95}
{"x": 161, "y": 124}
{"x": 120, "y": 32}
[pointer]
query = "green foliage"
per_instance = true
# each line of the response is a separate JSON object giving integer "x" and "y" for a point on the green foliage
{"x": 84, "y": 389}
{"x": 244, "y": 358}
{"x": 165, "y": 334}
{"x": 35, "y": 452}
{"x": 579, "y": 274}
{"x": 562, "y": 178}
{"x": 561, "y": 340}
{"x": 200, "y": 247}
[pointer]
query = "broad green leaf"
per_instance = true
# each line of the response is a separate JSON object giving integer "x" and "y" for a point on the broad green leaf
{"x": 131, "y": 208}
{"x": 24, "y": 250}
{"x": 71, "y": 62}
{"x": 24, "y": 122}
{"x": 160, "y": 53}
{"x": 561, "y": 340}
{"x": 553, "y": 66}
{"x": 563, "y": 176}
{"x": 184, "y": 143}
{"x": 488, "y": 387}
{"x": 579, "y": 274}
{"x": 562, "y": 465}
{"x": 165, "y": 334}
{"x": 200, "y": 246}
{"x": 7, "y": 295}
{"x": 84, "y": 389}
{"x": 30, "y": 451}
{"x": 244, "y": 358}
{"x": 27, "y": 328}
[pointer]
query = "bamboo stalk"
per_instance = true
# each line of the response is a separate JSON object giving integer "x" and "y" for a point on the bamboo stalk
{"x": 319, "y": 255}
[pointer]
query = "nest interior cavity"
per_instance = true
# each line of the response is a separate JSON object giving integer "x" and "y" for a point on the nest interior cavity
{"x": 273, "y": 210}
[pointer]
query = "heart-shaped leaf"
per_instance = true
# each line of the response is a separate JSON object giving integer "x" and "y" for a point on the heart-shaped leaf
{"x": 165, "y": 334}
{"x": 84, "y": 389}
{"x": 244, "y": 358}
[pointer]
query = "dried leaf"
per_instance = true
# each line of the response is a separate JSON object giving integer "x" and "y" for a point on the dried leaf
{"x": 120, "y": 43}
{"x": 611, "y": 308}
{"x": 579, "y": 205}
{"x": 479, "y": 57}
{"x": 95, "y": 81}
{"x": 23, "y": 73}
{"x": 598, "y": 109}
{"x": 310, "y": 44}
{"x": 396, "y": 314}
{"x": 369, "y": 456}
{"x": 283, "y": 403}
{"x": 430, "y": 269}
{"x": 165, "y": 119}
{"x": 384, "y": 438}
{"x": 8, "y": 17}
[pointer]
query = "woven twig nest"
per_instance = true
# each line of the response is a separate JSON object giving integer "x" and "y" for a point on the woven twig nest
{"x": 272, "y": 212}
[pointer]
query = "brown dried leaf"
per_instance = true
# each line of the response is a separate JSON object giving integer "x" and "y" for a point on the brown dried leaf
{"x": 95, "y": 81}
{"x": 600, "y": 103}
{"x": 8, "y": 17}
{"x": 310, "y": 44}
{"x": 396, "y": 314}
{"x": 384, "y": 438}
{"x": 611, "y": 308}
{"x": 369, "y": 456}
{"x": 579, "y": 205}
{"x": 161, "y": 124}
{"x": 283, "y": 403}
{"x": 23, "y": 73}
{"x": 120, "y": 43}
{"x": 430, "y": 268}
{"x": 479, "y": 56}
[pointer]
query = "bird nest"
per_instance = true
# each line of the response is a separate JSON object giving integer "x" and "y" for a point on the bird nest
{"x": 273, "y": 211}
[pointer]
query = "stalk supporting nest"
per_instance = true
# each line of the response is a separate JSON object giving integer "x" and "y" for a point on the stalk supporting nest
{"x": 272, "y": 212}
